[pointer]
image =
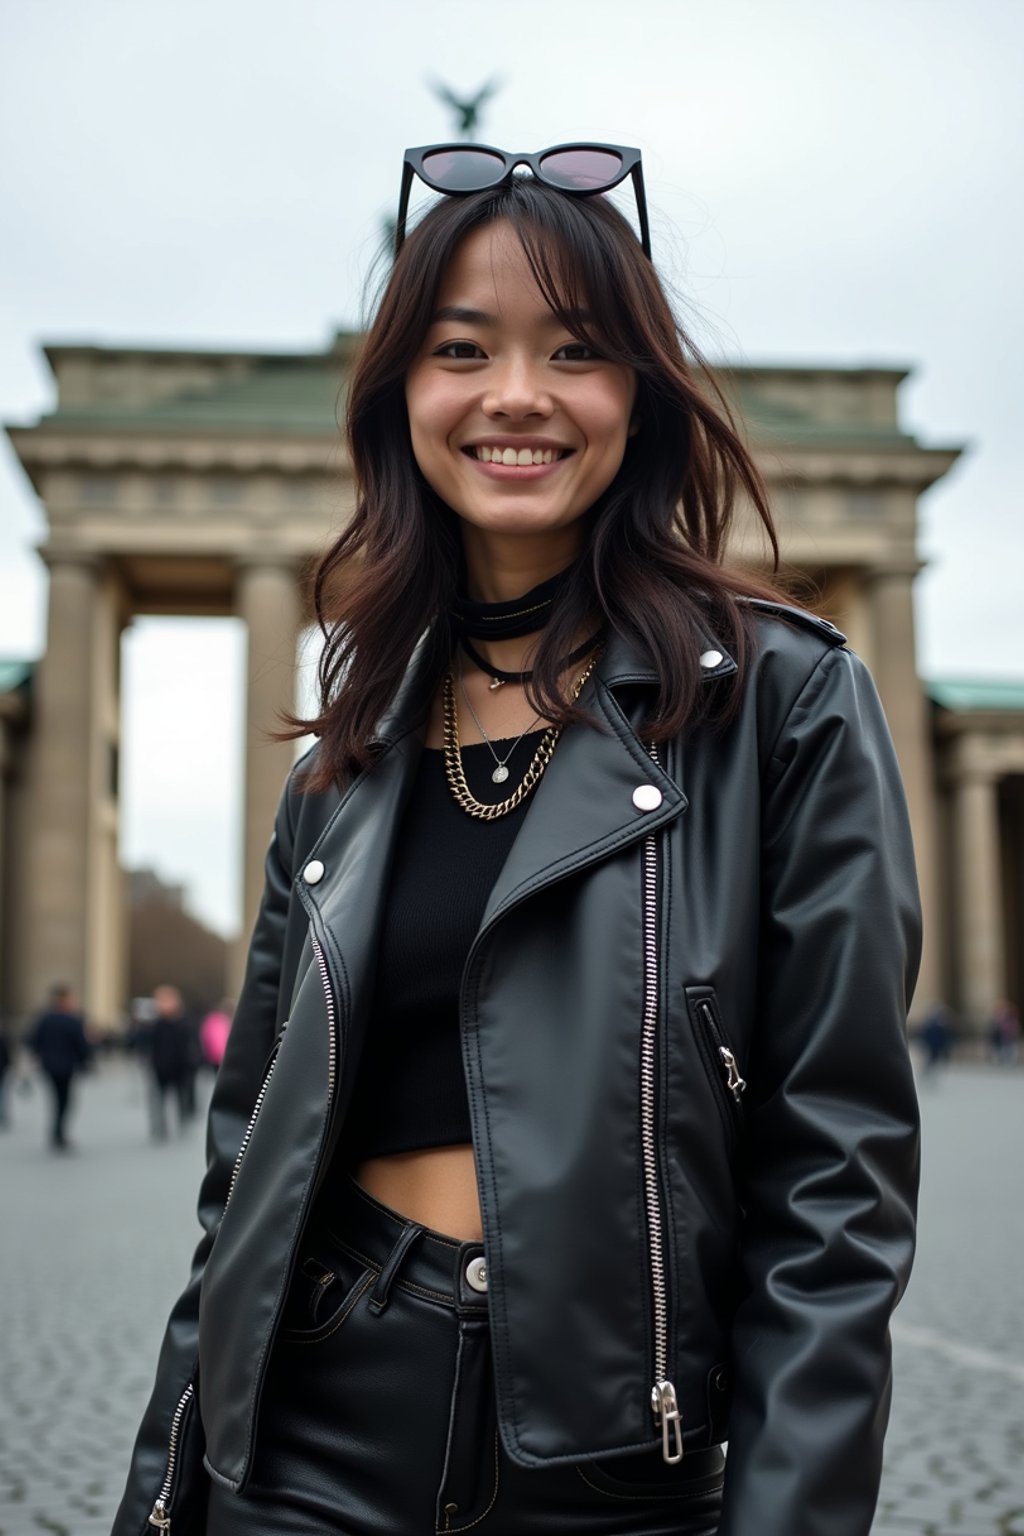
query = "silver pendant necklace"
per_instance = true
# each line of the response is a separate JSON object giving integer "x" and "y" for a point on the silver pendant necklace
{"x": 500, "y": 772}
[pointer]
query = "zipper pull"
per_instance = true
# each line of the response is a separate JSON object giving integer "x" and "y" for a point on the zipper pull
{"x": 159, "y": 1517}
{"x": 735, "y": 1084}
{"x": 666, "y": 1413}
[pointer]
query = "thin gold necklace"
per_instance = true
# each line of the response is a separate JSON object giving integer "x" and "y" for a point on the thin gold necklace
{"x": 455, "y": 772}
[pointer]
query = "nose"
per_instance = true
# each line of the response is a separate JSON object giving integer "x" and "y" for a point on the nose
{"x": 516, "y": 390}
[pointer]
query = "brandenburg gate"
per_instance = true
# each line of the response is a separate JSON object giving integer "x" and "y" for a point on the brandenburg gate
{"x": 202, "y": 483}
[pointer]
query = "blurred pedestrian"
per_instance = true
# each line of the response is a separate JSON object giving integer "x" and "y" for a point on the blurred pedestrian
{"x": 59, "y": 1042}
{"x": 1004, "y": 1031}
{"x": 6, "y": 1055}
{"x": 937, "y": 1037}
{"x": 214, "y": 1031}
{"x": 171, "y": 1063}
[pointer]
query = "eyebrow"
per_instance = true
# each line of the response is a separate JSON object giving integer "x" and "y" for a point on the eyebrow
{"x": 462, "y": 315}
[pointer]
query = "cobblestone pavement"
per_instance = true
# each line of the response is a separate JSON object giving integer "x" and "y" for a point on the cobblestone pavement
{"x": 94, "y": 1247}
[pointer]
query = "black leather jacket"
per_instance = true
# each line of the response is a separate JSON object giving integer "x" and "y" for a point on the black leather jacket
{"x": 706, "y": 985}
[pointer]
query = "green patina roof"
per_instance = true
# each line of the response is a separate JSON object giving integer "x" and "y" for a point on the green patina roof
{"x": 279, "y": 395}
{"x": 965, "y": 693}
{"x": 15, "y": 674}
{"x": 769, "y": 419}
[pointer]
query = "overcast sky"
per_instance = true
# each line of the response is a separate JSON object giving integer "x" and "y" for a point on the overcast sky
{"x": 830, "y": 182}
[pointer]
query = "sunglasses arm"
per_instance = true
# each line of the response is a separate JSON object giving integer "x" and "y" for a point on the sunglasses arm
{"x": 403, "y": 206}
{"x": 637, "y": 177}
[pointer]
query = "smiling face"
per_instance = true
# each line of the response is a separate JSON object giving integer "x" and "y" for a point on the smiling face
{"x": 515, "y": 424}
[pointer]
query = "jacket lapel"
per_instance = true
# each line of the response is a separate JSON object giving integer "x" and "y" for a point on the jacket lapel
{"x": 351, "y": 859}
{"x": 583, "y": 808}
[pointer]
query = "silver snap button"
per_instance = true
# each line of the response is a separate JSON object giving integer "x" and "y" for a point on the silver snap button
{"x": 647, "y": 797}
{"x": 476, "y": 1274}
{"x": 313, "y": 872}
{"x": 711, "y": 658}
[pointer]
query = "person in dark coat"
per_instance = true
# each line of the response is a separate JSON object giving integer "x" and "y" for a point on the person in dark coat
{"x": 171, "y": 1059}
{"x": 59, "y": 1043}
{"x": 5, "y": 1065}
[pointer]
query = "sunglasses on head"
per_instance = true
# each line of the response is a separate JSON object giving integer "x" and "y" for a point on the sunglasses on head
{"x": 581, "y": 170}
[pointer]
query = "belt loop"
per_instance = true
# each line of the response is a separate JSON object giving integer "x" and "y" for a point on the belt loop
{"x": 379, "y": 1298}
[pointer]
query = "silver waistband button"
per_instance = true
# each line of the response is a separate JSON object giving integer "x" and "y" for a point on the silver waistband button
{"x": 476, "y": 1274}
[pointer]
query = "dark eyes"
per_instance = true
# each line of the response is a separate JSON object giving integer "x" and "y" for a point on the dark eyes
{"x": 468, "y": 351}
{"x": 459, "y": 351}
{"x": 576, "y": 352}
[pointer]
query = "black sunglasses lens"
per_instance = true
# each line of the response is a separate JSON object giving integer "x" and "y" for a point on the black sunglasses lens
{"x": 463, "y": 170}
{"x": 581, "y": 170}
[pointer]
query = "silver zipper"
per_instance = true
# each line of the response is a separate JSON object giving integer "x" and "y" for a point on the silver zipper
{"x": 332, "y": 1043}
{"x": 254, "y": 1116}
{"x": 734, "y": 1082}
{"x": 663, "y": 1394}
{"x": 159, "y": 1515}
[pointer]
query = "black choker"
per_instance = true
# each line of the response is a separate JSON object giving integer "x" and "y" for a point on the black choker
{"x": 504, "y": 621}
{"x": 523, "y": 677}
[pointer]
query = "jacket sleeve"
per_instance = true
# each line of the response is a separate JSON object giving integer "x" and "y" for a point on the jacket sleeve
{"x": 830, "y": 1170}
{"x": 235, "y": 1092}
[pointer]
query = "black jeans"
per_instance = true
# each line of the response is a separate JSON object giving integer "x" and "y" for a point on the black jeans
{"x": 378, "y": 1413}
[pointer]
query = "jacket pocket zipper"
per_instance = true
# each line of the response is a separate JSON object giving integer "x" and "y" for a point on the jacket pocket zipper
{"x": 735, "y": 1084}
{"x": 664, "y": 1405}
{"x": 160, "y": 1515}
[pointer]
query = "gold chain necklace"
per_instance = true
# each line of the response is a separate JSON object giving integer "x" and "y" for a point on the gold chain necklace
{"x": 455, "y": 772}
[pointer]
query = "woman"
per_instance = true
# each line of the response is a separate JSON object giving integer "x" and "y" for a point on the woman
{"x": 566, "y": 1129}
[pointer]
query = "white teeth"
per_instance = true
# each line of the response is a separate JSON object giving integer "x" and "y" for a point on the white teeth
{"x": 516, "y": 457}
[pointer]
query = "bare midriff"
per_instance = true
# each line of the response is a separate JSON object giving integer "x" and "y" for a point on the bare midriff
{"x": 434, "y": 1186}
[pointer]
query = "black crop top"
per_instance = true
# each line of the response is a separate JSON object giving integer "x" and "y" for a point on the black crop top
{"x": 410, "y": 1089}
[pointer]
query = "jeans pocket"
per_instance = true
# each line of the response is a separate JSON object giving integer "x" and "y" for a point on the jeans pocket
{"x": 326, "y": 1286}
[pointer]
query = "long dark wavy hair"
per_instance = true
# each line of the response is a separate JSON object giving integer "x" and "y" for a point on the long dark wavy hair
{"x": 651, "y": 562}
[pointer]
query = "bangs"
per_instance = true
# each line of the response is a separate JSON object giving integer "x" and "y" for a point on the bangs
{"x": 581, "y": 252}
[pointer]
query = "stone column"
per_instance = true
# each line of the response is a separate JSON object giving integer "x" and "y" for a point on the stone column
{"x": 894, "y": 666}
{"x": 979, "y": 892}
{"x": 6, "y": 768}
{"x": 267, "y": 597}
{"x": 67, "y": 927}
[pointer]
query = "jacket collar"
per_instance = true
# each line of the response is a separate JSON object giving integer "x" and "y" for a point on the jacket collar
{"x": 582, "y": 811}
{"x": 621, "y": 664}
